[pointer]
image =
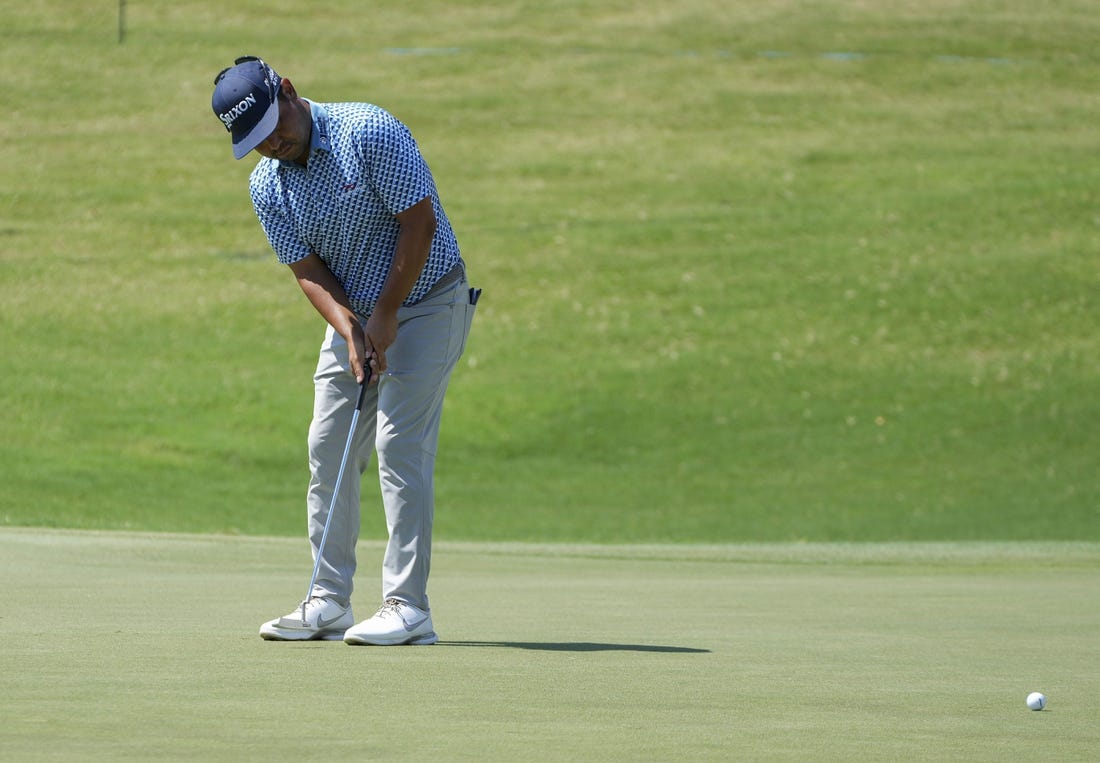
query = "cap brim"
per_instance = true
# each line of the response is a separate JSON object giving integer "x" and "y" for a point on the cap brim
{"x": 259, "y": 133}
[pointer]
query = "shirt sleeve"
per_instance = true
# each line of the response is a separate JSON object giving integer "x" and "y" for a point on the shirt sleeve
{"x": 394, "y": 166}
{"x": 275, "y": 218}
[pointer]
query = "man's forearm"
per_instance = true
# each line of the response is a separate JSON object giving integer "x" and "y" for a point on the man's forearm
{"x": 325, "y": 293}
{"x": 414, "y": 245}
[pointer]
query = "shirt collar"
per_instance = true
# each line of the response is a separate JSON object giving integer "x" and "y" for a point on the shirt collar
{"x": 319, "y": 139}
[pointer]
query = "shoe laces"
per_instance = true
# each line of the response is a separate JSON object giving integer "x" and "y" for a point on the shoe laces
{"x": 314, "y": 603}
{"x": 390, "y": 605}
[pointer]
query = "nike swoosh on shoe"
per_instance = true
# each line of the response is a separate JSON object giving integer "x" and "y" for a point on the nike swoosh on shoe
{"x": 326, "y": 623}
{"x": 410, "y": 627}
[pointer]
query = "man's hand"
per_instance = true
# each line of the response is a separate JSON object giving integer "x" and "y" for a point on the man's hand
{"x": 381, "y": 332}
{"x": 358, "y": 353}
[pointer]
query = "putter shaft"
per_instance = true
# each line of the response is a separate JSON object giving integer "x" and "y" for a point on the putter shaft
{"x": 336, "y": 490}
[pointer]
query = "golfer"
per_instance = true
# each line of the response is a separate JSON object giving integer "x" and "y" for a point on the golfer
{"x": 348, "y": 203}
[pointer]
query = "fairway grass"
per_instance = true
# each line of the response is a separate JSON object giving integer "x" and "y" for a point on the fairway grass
{"x": 142, "y": 646}
{"x": 776, "y": 271}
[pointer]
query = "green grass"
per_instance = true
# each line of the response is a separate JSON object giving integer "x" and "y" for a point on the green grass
{"x": 126, "y": 646}
{"x": 753, "y": 272}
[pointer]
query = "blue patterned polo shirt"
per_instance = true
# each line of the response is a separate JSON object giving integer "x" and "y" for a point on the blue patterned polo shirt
{"x": 364, "y": 167}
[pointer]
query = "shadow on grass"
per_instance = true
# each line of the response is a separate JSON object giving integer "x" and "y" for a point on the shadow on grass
{"x": 577, "y": 646}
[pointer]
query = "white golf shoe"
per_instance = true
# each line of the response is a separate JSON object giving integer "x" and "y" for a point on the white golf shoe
{"x": 395, "y": 623}
{"x": 325, "y": 620}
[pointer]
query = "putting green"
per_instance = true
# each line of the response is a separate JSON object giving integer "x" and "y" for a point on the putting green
{"x": 128, "y": 646}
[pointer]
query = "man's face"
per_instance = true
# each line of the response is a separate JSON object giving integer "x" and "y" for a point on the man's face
{"x": 290, "y": 139}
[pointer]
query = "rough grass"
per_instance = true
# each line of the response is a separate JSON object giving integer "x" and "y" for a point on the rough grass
{"x": 812, "y": 271}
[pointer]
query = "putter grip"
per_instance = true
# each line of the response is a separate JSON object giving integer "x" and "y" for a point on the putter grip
{"x": 363, "y": 389}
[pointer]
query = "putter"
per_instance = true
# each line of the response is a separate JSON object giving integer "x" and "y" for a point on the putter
{"x": 336, "y": 490}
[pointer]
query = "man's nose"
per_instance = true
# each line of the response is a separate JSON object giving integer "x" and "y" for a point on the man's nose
{"x": 271, "y": 142}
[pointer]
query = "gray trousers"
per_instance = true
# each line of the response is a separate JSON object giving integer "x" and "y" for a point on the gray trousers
{"x": 400, "y": 422}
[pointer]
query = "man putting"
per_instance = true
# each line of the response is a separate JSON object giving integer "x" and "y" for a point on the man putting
{"x": 348, "y": 203}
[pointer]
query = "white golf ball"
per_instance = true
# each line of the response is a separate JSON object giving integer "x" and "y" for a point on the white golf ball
{"x": 1036, "y": 701}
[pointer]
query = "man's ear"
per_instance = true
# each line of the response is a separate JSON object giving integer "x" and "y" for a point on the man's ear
{"x": 288, "y": 89}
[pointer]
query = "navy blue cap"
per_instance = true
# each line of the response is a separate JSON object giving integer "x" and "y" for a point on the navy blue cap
{"x": 246, "y": 100}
